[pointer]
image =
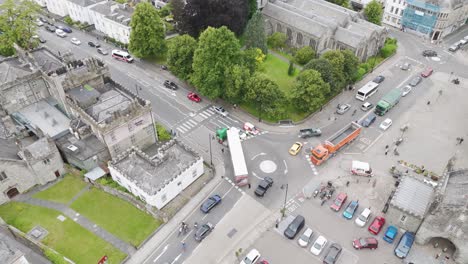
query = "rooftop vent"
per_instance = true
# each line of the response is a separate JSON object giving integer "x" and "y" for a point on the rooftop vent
{"x": 72, "y": 148}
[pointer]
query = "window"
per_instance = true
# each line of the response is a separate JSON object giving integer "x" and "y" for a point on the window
{"x": 113, "y": 138}
{"x": 401, "y": 12}
{"x": 133, "y": 139}
{"x": 3, "y": 176}
{"x": 163, "y": 198}
{"x": 179, "y": 183}
{"x": 391, "y": 10}
{"x": 396, "y": 11}
{"x": 194, "y": 173}
{"x": 403, "y": 218}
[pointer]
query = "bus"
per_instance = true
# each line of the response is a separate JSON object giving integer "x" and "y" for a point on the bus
{"x": 367, "y": 91}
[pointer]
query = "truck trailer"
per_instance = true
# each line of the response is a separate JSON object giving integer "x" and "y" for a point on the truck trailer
{"x": 334, "y": 143}
{"x": 388, "y": 101}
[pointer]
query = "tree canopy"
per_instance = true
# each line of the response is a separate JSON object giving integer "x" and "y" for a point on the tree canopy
{"x": 217, "y": 51}
{"x": 373, "y": 12}
{"x": 336, "y": 59}
{"x": 265, "y": 94}
{"x": 277, "y": 40}
{"x": 147, "y": 34}
{"x": 350, "y": 65}
{"x": 235, "y": 83}
{"x": 304, "y": 55}
{"x": 323, "y": 66}
{"x": 254, "y": 34}
{"x": 180, "y": 55}
{"x": 201, "y": 14}
{"x": 310, "y": 90}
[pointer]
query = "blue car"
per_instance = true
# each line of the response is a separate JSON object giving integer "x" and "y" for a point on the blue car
{"x": 351, "y": 209}
{"x": 390, "y": 234}
{"x": 210, "y": 203}
{"x": 65, "y": 29}
{"x": 405, "y": 244}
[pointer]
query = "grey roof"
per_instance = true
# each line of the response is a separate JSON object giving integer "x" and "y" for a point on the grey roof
{"x": 109, "y": 102}
{"x": 8, "y": 149}
{"x": 47, "y": 118}
{"x": 85, "y": 95}
{"x": 83, "y": 149}
{"x": 151, "y": 174}
{"x": 413, "y": 196}
{"x": 40, "y": 148}
{"x": 46, "y": 60}
{"x": 114, "y": 11}
{"x": 95, "y": 174}
{"x": 456, "y": 192}
{"x": 12, "y": 69}
{"x": 348, "y": 37}
{"x": 85, "y": 3}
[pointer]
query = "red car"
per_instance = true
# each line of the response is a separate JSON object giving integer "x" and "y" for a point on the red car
{"x": 366, "y": 242}
{"x": 427, "y": 72}
{"x": 193, "y": 97}
{"x": 339, "y": 201}
{"x": 376, "y": 225}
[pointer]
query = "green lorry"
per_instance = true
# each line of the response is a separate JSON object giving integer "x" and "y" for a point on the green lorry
{"x": 388, "y": 101}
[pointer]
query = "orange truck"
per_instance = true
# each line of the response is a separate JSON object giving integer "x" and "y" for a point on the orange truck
{"x": 334, "y": 143}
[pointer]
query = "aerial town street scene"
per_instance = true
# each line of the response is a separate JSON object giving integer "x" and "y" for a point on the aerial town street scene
{"x": 233, "y": 132}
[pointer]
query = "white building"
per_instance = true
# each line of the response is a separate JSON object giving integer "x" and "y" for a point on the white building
{"x": 41, "y": 3}
{"x": 58, "y": 7}
{"x": 112, "y": 19}
{"x": 393, "y": 12}
{"x": 79, "y": 10}
{"x": 159, "y": 174}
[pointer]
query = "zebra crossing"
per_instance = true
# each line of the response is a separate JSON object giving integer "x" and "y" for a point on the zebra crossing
{"x": 189, "y": 124}
{"x": 312, "y": 166}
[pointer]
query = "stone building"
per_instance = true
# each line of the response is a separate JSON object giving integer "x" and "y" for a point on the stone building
{"x": 159, "y": 174}
{"x": 393, "y": 13}
{"x": 410, "y": 203}
{"x": 449, "y": 217}
{"x": 323, "y": 26}
{"x": 23, "y": 167}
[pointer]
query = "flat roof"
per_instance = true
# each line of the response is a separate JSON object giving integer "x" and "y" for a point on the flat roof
{"x": 81, "y": 149}
{"x": 41, "y": 148}
{"x": 413, "y": 196}
{"x": 151, "y": 173}
{"x": 8, "y": 149}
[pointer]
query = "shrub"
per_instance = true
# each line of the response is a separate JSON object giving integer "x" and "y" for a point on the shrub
{"x": 291, "y": 68}
{"x": 68, "y": 20}
{"x": 304, "y": 55}
{"x": 163, "y": 134}
{"x": 360, "y": 74}
{"x": 277, "y": 40}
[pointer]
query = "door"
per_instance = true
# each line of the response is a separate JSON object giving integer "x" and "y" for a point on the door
{"x": 57, "y": 173}
{"x": 12, "y": 192}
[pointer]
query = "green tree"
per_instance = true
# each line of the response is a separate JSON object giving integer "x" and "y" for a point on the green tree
{"x": 180, "y": 55}
{"x": 323, "y": 66}
{"x": 147, "y": 35}
{"x": 235, "y": 83}
{"x": 252, "y": 59}
{"x": 310, "y": 91}
{"x": 165, "y": 10}
{"x": 6, "y": 46}
{"x": 218, "y": 50}
{"x": 265, "y": 94}
{"x": 291, "y": 68}
{"x": 277, "y": 40}
{"x": 304, "y": 55}
{"x": 336, "y": 60}
{"x": 373, "y": 12}
{"x": 350, "y": 66}
{"x": 254, "y": 33}
{"x": 252, "y": 8}
{"x": 17, "y": 24}
{"x": 177, "y": 10}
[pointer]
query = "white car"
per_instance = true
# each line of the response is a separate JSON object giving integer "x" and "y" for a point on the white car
{"x": 363, "y": 218}
{"x": 304, "y": 239}
{"x": 220, "y": 110}
{"x": 75, "y": 41}
{"x": 406, "y": 90}
{"x": 366, "y": 106}
{"x": 252, "y": 257}
{"x": 38, "y": 22}
{"x": 60, "y": 33}
{"x": 318, "y": 245}
{"x": 386, "y": 124}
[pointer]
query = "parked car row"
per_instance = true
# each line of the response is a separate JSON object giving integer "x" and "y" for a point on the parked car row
{"x": 459, "y": 44}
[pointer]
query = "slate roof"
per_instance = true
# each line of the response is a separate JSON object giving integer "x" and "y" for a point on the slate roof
{"x": 40, "y": 149}
{"x": 115, "y": 12}
{"x": 85, "y": 3}
{"x": 8, "y": 149}
{"x": 86, "y": 148}
{"x": 413, "y": 196}
{"x": 12, "y": 68}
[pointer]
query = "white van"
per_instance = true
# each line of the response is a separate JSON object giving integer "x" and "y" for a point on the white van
{"x": 361, "y": 168}
{"x": 122, "y": 55}
{"x": 363, "y": 218}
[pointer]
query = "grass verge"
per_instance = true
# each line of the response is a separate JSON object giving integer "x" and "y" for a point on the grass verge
{"x": 63, "y": 191}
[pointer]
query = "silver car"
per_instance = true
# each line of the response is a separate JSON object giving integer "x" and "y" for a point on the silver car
{"x": 415, "y": 81}
{"x": 342, "y": 108}
{"x": 405, "y": 66}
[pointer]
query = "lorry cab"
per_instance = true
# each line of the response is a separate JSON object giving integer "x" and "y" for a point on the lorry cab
{"x": 319, "y": 154}
{"x": 361, "y": 168}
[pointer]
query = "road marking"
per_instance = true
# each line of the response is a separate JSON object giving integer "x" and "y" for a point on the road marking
{"x": 381, "y": 134}
{"x": 192, "y": 122}
{"x": 186, "y": 126}
{"x": 259, "y": 154}
{"x": 204, "y": 116}
{"x": 286, "y": 167}
{"x": 164, "y": 251}
{"x": 181, "y": 130}
{"x": 177, "y": 258}
{"x": 233, "y": 120}
{"x": 144, "y": 83}
{"x": 223, "y": 123}
{"x": 131, "y": 75}
{"x": 227, "y": 192}
{"x": 256, "y": 176}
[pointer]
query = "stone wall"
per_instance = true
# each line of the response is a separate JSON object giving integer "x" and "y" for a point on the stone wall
{"x": 19, "y": 176}
{"x": 410, "y": 222}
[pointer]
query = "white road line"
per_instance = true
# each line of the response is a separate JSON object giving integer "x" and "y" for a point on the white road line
{"x": 224, "y": 123}
{"x": 204, "y": 116}
{"x": 164, "y": 251}
{"x": 131, "y": 75}
{"x": 233, "y": 120}
{"x": 381, "y": 134}
{"x": 209, "y": 111}
{"x": 227, "y": 192}
{"x": 193, "y": 122}
{"x": 181, "y": 130}
{"x": 186, "y": 126}
{"x": 177, "y": 258}
{"x": 259, "y": 154}
{"x": 286, "y": 167}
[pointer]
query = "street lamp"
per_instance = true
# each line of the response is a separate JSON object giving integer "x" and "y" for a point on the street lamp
{"x": 210, "y": 137}
{"x": 285, "y": 199}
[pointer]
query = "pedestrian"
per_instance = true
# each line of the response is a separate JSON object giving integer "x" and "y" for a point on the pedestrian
{"x": 347, "y": 183}
{"x": 249, "y": 185}
{"x": 428, "y": 102}
{"x": 386, "y": 152}
{"x": 461, "y": 140}
{"x": 183, "y": 245}
{"x": 222, "y": 150}
{"x": 386, "y": 147}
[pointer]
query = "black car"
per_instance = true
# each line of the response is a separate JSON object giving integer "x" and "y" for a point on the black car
{"x": 210, "y": 203}
{"x": 50, "y": 28}
{"x": 294, "y": 227}
{"x": 263, "y": 186}
{"x": 94, "y": 45}
{"x": 333, "y": 253}
{"x": 379, "y": 79}
{"x": 65, "y": 29}
{"x": 429, "y": 53}
{"x": 203, "y": 231}
{"x": 170, "y": 85}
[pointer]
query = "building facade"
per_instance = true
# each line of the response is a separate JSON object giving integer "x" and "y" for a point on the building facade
{"x": 58, "y": 7}
{"x": 393, "y": 12}
{"x": 113, "y": 19}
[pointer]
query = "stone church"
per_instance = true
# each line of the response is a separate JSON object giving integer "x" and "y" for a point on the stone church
{"x": 323, "y": 26}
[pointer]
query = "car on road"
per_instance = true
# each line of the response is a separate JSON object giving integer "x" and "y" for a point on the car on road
{"x": 427, "y": 72}
{"x": 50, "y": 28}
{"x": 203, "y": 231}
{"x": 406, "y": 90}
{"x": 210, "y": 203}
{"x": 38, "y": 22}
{"x": 415, "y": 81}
{"x": 462, "y": 42}
{"x": 342, "y": 108}
{"x": 93, "y": 45}
{"x": 405, "y": 244}
{"x": 43, "y": 20}
{"x": 251, "y": 129}
{"x": 406, "y": 66}
{"x": 60, "y": 33}
{"x": 369, "y": 120}
{"x": 252, "y": 257}
{"x": 122, "y": 56}
{"x": 75, "y": 41}
{"x": 310, "y": 132}
{"x": 220, "y": 110}
{"x": 294, "y": 227}
{"x": 333, "y": 253}
{"x": 102, "y": 51}
{"x": 41, "y": 40}
{"x": 295, "y": 148}
{"x": 376, "y": 225}
{"x": 263, "y": 186}
{"x": 193, "y": 97}
{"x": 453, "y": 48}
{"x": 379, "y": 79}
{"x": 429, "y": 53}
{"x": 65, "y": 29}
{"x": 362, "y": 219}
{"x": 339, "y": 201}
{"x": 390, "y": 234}
{"x": 385, "y": 124}
{"x": 366, "y": 242}
{"x": 318, "y": 245}
{"x": 304, "y": 239}
{"x": 366, "y": 106}
{"x": 171, "y": 85}
{"x": 348, "y": 213}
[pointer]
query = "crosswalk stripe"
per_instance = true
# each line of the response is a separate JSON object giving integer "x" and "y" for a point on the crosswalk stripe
{"x": 193, "y": 122}
{"x": 181, "y": 130}
{"x": 204, "y": 116}
{"x": 186, "y": 126}
{"x": 224, "y": 123}
{"x": 209, "y": 111}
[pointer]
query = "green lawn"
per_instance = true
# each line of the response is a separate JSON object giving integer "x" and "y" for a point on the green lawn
{"x": 63, "y": 191}
{"x": 68, "y": 238}
{"x": 277, "y": 70}
{"x": 116, "y": 216}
